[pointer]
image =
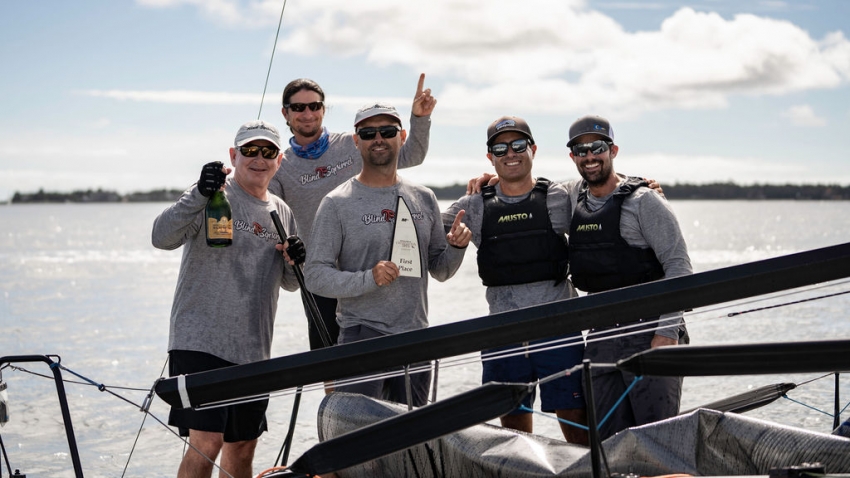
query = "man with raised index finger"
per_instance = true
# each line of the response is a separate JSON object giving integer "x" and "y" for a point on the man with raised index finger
{"x": 317, "y": 161}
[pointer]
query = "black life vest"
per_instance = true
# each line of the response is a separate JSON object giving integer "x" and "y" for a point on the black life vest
{"x": 600, "y": 259}
{"x": 518, "y": 244}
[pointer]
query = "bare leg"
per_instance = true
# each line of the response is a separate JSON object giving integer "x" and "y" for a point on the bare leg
{"x": 237, "y": 458}
{"x": 521, "y": 422}
{"x": 195, "y": 465}
{"x": 573, "y": 434}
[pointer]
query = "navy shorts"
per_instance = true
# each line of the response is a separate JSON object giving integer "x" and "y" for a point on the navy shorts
{"x": 393, "y": 389}
{"x": 242, "y": 422}
{"x": 561, "y": 394}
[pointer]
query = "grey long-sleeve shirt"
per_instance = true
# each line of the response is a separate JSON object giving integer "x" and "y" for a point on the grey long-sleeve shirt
{"x": 302, "y": 183}
{"x": 226, "y": 298}
{"x": 355, "y": 225}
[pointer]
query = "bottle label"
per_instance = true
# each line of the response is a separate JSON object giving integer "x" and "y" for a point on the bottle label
{"x": 220, "y": 229}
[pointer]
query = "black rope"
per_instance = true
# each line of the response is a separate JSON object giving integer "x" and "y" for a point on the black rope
{"x": 6, "y": 455}
{"x": 733, "y": 314}
{"x": 271, "y": 60}
{"x": 89, "y": 383}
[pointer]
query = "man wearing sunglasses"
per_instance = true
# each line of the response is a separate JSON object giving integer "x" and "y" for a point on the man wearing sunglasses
{"x": 317, "y": 161}
{"x": 519, "y": 227}
{"x": 226, "y": 298}
{"x": 623, "y": 234}
{"x": 356, "y": 223}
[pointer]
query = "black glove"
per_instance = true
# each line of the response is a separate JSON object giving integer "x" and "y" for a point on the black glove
{"x": 296, "y": 250}
{"x": 212, "y": 178}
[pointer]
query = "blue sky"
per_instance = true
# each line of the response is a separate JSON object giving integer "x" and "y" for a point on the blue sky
{"x": 138, "y": 95}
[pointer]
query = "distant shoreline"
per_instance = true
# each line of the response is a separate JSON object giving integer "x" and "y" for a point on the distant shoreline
{"x": 816, "y": 192}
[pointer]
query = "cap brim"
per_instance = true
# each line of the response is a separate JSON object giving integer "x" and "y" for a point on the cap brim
{"x": 572, "y": 140}
{"x": 255, "y": 138}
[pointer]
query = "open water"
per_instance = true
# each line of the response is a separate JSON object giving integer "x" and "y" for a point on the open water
{"x": 84, "y": 282}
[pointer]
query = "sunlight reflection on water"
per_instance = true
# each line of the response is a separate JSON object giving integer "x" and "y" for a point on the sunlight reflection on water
{"x": 83, "y": 282}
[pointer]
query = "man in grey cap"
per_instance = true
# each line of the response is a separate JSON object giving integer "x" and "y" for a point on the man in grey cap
{"x": 317, "y": 161}
{"x": 623, "y": 234}
{"x": 519, "y": 227}
{"x": 358, "y": 222}
{"x": 225, "y": 301}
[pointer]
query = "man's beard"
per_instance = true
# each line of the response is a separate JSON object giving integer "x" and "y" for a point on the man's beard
{"x": 600, "y": 177}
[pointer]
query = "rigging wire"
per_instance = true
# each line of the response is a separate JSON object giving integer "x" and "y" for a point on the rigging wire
{"x": 144, "y": 418}
{"x": 475, "y": 357}
{"x": 470, "y": 358}
{"x": 271, "y": 60}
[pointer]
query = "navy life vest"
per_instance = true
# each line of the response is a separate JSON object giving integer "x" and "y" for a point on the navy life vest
{"x": 600, "y": 259}
{"x": 518, "y": 244}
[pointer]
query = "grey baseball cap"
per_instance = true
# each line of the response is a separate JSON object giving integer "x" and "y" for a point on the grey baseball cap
{"x": 376, "y": 109}
{"x": 505, "y": 124}
{"x": 590, "y": 125}
{"x": 254, "y": 130}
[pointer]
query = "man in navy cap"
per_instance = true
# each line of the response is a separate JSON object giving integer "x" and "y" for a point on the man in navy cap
{"x": 623, "y": 234}
{"x": 519, "y": 227}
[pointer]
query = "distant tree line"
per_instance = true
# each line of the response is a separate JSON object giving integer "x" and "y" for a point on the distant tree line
{"x": 726, "y": 190}
{"x": 96, "y": 196}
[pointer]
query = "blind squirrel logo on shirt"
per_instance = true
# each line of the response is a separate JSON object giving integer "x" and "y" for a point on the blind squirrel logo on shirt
{"x": 256, "y": 229}
{"x": 325, "y": 171}
{"x": 387, "y": 215}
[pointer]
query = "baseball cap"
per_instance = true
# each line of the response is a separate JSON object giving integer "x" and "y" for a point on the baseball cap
{"x": 376, "y": 109}
{"x": 590, "y": 125}
{"x": 254, "y": 130}
{"x": 508, "y": 123}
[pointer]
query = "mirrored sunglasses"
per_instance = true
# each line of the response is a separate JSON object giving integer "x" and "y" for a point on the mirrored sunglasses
{"x": 597, "y": 147}
{"x": 299, "y": 107}
{"x": 387, "y": 132}
{"x": 268, "y": 152}
{"x": 501, "y": 149}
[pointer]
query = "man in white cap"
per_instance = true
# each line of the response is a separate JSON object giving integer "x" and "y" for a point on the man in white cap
{"x": 356, "y": 223}
{"x": 226, "y": 298}
{"x": 519, "y": 227}
{"x": 317, "y": 161}
{"x": 623, "y": 234}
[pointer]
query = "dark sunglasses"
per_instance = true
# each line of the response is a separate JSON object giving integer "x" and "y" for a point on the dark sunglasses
{"x": 387, "y": 132}
{"x": 501, "y": 149}
{"x": 299, "y": 107}
{"x": 252, "y": 151}
{"x": 597, "y": 147}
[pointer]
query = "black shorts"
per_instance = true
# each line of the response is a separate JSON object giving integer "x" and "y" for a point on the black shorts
{"x": 242, "y": 422}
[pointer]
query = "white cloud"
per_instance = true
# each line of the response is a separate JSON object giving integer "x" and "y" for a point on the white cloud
{"x": 803, "y": 115}
{"x": 552, "y": 57}
{"x": 576, "y": 58}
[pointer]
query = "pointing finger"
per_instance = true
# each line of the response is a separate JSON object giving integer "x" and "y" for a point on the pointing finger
{"x": 458, "y": 219}
{"x": 421, "y": 85}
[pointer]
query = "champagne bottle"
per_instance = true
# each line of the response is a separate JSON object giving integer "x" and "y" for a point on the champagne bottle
{"x": 219, "y": 221}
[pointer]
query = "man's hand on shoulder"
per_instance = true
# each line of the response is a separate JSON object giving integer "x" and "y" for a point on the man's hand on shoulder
{"x": 475, "y": 184}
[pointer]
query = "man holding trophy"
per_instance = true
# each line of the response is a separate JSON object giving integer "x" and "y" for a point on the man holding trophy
{"x": 381, "y": 236}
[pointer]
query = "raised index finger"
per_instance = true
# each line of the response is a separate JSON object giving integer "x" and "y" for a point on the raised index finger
{"x": 458, "y": 219}
{"x": 421, "y": 85}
